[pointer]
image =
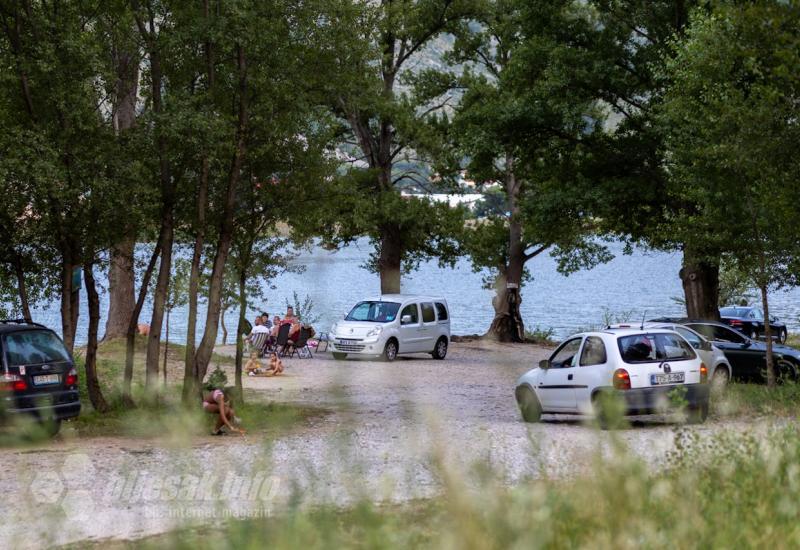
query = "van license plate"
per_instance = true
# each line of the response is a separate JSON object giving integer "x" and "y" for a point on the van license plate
{"x": 346, "y": 342}
{"x": 664, "y": 378}
{"x": 45, "y": 379}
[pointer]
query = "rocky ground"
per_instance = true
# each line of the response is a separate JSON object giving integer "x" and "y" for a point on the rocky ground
{"x": 392, "y": 428}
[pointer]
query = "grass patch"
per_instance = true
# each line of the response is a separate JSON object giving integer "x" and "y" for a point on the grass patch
{"x": 170, "y": 419}
{"x": 540, "y": 337}
{"x": 758, "y": 400}
{"x": 732, "y": 490}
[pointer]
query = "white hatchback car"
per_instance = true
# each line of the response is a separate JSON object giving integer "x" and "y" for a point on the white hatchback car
{"x": 641, "y": 368}
{"x": 392, "y": 324}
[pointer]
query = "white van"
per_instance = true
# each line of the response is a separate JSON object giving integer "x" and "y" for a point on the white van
{"x": 391, "y": 324}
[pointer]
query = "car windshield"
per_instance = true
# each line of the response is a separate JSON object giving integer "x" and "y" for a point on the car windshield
{"x": 374, "y": 312}
{"x": 649, "y": 348}
{"x": 33, "y": 347}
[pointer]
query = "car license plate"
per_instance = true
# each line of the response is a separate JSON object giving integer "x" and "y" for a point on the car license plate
{"x": 46, "y": 379}
{"x": 664, "y": 378}
{"x": 346, "y": 342}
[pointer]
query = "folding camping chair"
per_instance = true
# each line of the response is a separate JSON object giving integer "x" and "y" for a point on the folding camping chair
{"x": 301, "y": 346}
{"x": 257, "y": 342}
{"x": 282, "y": 341}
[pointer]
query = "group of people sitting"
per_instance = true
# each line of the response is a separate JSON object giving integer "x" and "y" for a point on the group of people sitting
{"x": 260, "y": 345}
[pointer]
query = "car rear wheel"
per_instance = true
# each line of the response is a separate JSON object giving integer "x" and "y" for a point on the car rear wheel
{"x": 529, "y": 404}
{"x": 697, "y": 414}
{"x": 390, "y": 351}
{"x": 339, "y": 356}
{"x": 782, "y": 336}
{"x": 440, "y": 351}
{"x": 786, "y": 371}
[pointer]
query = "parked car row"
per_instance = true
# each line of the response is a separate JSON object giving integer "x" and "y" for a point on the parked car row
{"x": 649, "y": 367}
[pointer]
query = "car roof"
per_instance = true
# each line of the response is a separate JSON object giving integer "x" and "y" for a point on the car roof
{"x": 625, "y": 331}
{"x": 18, "y": 325}
{"x": 403, "y": 298}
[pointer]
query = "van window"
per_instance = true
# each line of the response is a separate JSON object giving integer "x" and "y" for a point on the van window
{"x": 428, "y": 314}
{"x": 410, "y": 309}
{"x": 441, "y": 311}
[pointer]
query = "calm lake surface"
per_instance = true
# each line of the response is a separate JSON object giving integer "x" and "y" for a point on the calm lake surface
{"x": 628, "y": 287}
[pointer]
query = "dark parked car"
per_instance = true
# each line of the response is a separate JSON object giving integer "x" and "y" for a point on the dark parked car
{"x": 750, "y": 320}
{"x": 747, "y": 357}
{"x": 38, "y": 374}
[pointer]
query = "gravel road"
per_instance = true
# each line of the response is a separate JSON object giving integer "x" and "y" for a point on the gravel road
{"x": 391, "y": 429}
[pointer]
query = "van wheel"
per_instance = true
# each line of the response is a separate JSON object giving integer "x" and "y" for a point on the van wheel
{"x": 339, "y": 356}
{"x": 390, "y": 351}
{"x": 529, "y": 404}
{"x": 440, "y": 351}
{"x": 698, "y": 414}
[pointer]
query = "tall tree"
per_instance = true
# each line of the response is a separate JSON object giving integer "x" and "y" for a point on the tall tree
{"x": 385, "y": 133}
{"x": 630, "y": 174}
{"x": 521, "y": 126}
{"x": 734, "y": 141}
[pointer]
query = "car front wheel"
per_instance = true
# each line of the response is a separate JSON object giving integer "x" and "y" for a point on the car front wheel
{"x": 390, "y": 351}
{"x": 782, "y": 336}
{"x": 529, "y": 404}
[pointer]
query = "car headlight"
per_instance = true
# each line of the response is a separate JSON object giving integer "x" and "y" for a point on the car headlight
{"x": 334, "y": 327}
{"x": 374, "y": 332}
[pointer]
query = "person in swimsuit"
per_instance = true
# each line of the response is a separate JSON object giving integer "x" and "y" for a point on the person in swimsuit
{"x": 215, "y": 402}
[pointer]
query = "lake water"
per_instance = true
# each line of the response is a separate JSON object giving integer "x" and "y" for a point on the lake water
{"x": 641, "y": 284}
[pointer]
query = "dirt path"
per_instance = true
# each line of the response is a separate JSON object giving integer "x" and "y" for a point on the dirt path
{"x": 391, "y": 427}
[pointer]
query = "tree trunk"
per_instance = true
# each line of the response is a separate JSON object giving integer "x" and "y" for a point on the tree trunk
{"x": 206, "y": 348}
{"x": 159, "y": 301}
{"x": 121, "y": 289}
{"x": 507, "y": 325}
{"x": 224, "y": 328}
{"x": 700, "y": 280}
{"x": 166, "y": 348}
{"x": 121, "y": 277}
{"x": 90, "y": 365}
{"x": 200, "y": 232}
{"x": 67, "y": 301}
{"x": 772, "y": 379}
{"x": 22, "y": 289}
{"x": 194, "y": 285}
{"x": 239, "y": 331}
{"x": 130, "y": 342}
{"x": 390, "y": 259}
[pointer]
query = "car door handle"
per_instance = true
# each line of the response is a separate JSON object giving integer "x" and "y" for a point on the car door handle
{"x": 569, "y": 377}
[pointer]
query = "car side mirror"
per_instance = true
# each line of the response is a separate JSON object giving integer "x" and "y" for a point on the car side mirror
{"x": 545, "y": 364}
{"x": 705, "y": 345}
{"x": 405, "y": 320}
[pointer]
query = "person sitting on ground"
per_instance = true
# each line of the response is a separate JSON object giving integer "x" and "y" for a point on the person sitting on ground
{"x": 275, "y": 365}
{"x": 253, "y": 365}
{"x": 217, "y": 402}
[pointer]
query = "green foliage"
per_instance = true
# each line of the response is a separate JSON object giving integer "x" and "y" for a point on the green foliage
{"x": 216, "y": 379}
{"x": 303, "y": 309}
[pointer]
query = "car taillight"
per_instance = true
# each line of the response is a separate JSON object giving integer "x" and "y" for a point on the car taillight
{"x": 72, "y": 377}
{"x": 735, "y": 323}
{"x": 703, "y": 373}
{"x": 12, "y": 382}
{"x": 622, "y": 380}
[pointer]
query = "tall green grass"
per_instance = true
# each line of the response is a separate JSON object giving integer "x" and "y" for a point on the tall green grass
{"x": 736, "y": 490}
